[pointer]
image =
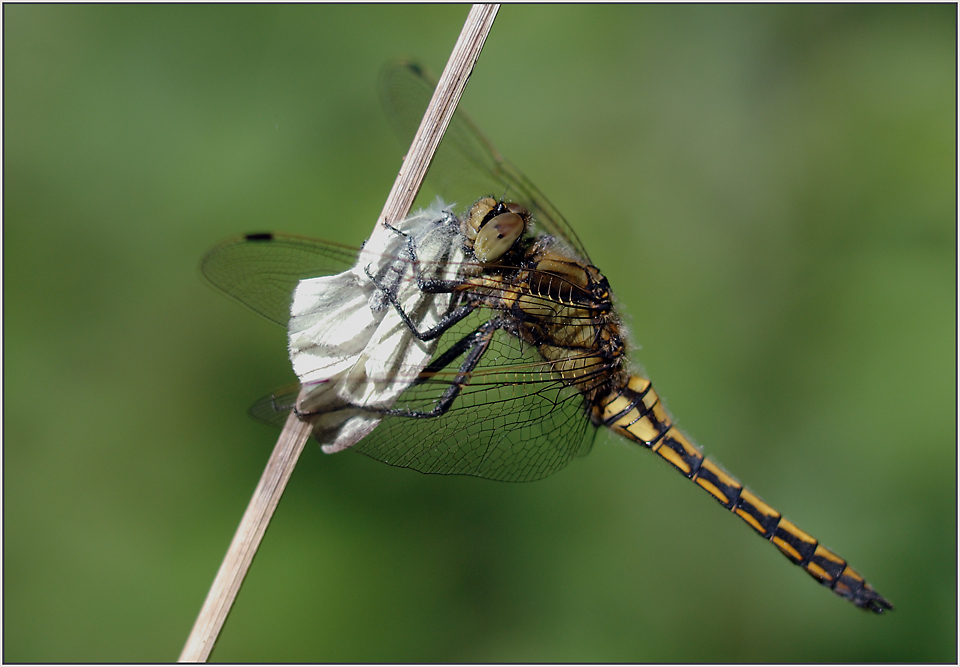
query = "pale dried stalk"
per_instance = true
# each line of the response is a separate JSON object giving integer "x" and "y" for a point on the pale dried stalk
{"x": 439, "y": 112}
{"x": 295, "y": 433}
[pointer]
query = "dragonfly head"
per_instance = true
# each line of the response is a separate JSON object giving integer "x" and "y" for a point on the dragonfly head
{"x": 492, "y": 227}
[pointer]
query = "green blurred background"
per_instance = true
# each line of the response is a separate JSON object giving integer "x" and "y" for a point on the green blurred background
{"x": 769, "y": 189}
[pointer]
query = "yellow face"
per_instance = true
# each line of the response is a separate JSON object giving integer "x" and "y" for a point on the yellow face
{"x": 493, "y": 227}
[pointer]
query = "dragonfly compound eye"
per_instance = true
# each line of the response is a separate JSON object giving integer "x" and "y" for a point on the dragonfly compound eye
{"x": 478, "y": 213}
{"x": 519, "y": 210}
{"x": 497, "y": 237}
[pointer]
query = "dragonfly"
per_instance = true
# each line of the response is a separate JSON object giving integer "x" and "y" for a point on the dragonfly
{"x": 502, "y": 352}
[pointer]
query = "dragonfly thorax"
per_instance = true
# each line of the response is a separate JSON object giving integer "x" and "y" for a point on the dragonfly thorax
{"x": 565, "y": 310}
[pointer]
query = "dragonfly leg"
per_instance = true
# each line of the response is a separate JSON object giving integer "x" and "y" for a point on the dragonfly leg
{"x": 436, "y": 330}
{"x": 395, "y": 230}
{"x": 475, "y": 344}
{"x": 428, "y": 285}
{"x": 277, "y": 407}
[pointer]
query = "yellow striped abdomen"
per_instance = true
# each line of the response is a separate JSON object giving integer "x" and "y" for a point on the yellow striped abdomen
{"x": 635, "y": 412}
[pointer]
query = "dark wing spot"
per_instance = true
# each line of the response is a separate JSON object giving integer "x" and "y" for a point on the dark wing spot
{"x": 260, "y": 236}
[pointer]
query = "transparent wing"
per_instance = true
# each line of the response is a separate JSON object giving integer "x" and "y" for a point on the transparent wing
{"x": 513, "y": 420}
{"x": 274, "y": 408}
{"x": 261, "y": 271}
{"x": 467, "y": 166}
{"x": 513, "y": 417}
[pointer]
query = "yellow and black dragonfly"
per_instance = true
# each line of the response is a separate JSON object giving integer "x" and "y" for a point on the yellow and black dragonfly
{"x": 482, "y": 344}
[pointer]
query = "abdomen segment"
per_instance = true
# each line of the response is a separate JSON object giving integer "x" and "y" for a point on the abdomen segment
{"x": 634, "y": 411}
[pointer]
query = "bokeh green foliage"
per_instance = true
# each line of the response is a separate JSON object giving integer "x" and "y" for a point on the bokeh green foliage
{"x": 769, "y": 189}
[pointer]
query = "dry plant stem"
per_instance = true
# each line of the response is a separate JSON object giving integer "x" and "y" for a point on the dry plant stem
{"x": 246, "y": 540}
{"x": 439, "y": 112}
{"x": 295, "y": 433}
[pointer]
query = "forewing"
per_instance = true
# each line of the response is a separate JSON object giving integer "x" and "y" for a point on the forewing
{"x": 466, "y": 166}
{"x": 262, "y": 270}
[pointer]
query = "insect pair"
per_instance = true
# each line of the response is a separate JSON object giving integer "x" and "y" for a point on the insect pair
{"x": 484, "y": 345}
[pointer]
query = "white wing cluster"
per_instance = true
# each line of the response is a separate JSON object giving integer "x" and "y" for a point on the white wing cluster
{"x": 349, "y": 346}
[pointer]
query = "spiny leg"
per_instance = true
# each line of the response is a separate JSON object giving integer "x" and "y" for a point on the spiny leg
{"x": 430, "y": 287}
{"x": 475, "y": 344}
{"x": 634, "y": 411}
{"x": 436, "y": 330}
{"x": 426, "y": 285}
